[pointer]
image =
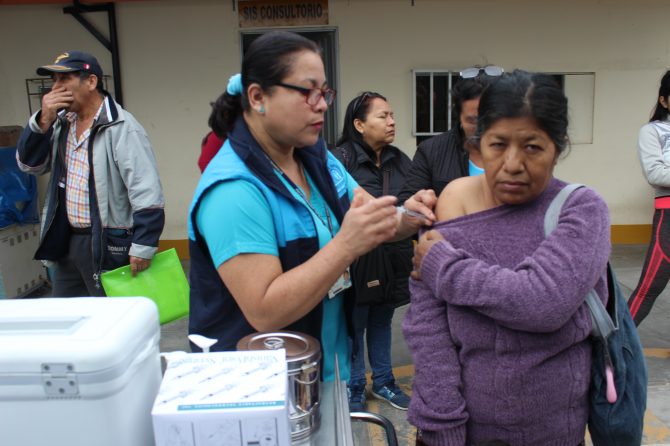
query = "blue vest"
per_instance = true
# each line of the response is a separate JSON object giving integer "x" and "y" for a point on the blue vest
{"x": 213, "y": 311}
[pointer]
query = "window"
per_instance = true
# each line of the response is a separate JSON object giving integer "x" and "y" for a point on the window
{"x": 579, "y": 88}
{"x": 432, "y": 103}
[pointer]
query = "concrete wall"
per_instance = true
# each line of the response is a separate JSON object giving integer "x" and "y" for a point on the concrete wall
{"x": 177, "y": 55}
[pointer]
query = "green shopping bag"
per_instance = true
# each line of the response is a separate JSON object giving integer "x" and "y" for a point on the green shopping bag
{"x": 164, "y": 282}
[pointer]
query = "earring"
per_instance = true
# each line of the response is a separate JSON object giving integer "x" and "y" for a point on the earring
{"x": 262, "y": 109}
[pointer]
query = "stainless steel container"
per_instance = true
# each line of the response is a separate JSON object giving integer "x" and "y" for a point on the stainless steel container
{"x": 303, "y": 355}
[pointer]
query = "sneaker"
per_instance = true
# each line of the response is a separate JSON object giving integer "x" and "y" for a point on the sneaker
{"x": 356, "y": 398}
{"x": 393, "y": 394}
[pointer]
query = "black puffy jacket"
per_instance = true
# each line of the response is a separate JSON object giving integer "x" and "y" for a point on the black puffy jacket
{"x": 382, "y": 275}
{"x": 437, "y": 161}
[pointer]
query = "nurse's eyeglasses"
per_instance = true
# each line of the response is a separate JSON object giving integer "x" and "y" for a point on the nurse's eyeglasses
{"x": 313, "y": 95}
{"x": 490, "y": 70}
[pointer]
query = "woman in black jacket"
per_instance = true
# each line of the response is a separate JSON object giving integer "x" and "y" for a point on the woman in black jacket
{"x": 380, "y": 277}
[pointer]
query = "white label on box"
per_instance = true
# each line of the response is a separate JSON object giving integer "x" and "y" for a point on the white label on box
{"x": 223, "y": 398}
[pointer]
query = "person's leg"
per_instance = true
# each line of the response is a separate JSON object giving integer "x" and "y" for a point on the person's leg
{"x": 379, "y": 344}
{"x": 73, "y": 275}
{"x": 656, "y": 269}
{"x": 83, "y": 260}
{"x": 67, "y": 281}
{"x": 379, "y": 351}
{"x": 357, "y": 378}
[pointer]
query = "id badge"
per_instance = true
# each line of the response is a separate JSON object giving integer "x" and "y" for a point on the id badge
{"x": 342, "y": 283}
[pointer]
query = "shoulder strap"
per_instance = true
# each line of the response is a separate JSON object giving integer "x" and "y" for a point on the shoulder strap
{"x": 554, "y": 209}
{"x": 386, "y": 174}
{"x": 602, "y": 324}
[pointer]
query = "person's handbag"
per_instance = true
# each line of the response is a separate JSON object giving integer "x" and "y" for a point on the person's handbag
{"x": 370, "y": 277}
{"x": 382, "y": 275}
{"x": 618, "y": 391}
{"x": 164, "y": 282}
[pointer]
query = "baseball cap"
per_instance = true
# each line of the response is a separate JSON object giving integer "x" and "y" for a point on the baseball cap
{"x": 72, "y": 61}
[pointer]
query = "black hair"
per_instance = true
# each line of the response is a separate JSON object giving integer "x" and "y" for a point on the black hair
{"x": 523, "y": 94}
{"x": 83, "y": 75}
{"x": 267, "y": 61}
{"x": 358, "y": 108}
{"x": 465, "y": 90}
{"x": 660, "y": 112}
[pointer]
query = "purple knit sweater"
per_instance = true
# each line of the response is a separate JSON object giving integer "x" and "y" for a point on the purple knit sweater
{"x": 498, "y": 327}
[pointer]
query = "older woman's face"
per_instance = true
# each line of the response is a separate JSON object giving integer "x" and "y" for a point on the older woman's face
{"x": 378, "y": 129}
{"x": 288, "y": 119}
{"x": 518, "y": 158}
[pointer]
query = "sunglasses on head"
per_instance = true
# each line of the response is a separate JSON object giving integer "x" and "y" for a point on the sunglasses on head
{"x": 490, "y": 70}
{"x": 360, "y": 101}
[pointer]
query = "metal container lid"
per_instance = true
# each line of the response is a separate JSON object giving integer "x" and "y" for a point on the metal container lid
{"x": 300, "y": 348}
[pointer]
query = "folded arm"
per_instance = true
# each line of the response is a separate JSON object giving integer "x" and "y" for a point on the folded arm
{"x": 242, "y": 239}
{"x": 543, "y": 291}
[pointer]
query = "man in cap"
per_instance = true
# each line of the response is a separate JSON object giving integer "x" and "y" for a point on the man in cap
{"x": 104, "y": 204}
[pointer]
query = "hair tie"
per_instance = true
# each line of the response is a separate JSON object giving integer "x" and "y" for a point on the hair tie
{"x": 234, "y": 87}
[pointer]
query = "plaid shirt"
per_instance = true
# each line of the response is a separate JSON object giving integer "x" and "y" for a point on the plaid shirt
{"x": 76, "y": 187}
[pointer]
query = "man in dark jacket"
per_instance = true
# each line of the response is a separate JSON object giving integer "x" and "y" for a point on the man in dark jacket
{"x": 443, "y": 158}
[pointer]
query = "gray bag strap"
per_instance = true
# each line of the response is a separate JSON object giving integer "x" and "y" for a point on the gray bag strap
{"x": 602, "y": 323}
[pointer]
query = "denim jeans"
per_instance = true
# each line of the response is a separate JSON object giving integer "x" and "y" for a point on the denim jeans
{"x": 372, "y": 323}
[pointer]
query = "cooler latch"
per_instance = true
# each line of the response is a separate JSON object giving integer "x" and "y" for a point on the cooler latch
{"x": 59, "y": 380}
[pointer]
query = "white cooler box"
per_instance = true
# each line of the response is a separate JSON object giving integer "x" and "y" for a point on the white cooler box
{"x": 78, "y": 371}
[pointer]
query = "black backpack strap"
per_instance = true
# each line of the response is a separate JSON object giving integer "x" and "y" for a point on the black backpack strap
{"x": 386, "y": 179}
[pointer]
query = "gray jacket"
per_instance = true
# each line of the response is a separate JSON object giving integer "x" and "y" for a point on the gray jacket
{"x": 126, "y": 196}
{"x": 654, "y": 152}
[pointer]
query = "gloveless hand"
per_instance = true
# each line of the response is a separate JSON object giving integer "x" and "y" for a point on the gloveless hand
{"x": 53, "y": 101}
{"x": 366, "y": 225}
{"x": 138, "y": 264}
{"x": 426, "y": 241}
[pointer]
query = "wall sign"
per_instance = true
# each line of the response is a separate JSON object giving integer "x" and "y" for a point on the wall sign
{"x": 266, "y": 13}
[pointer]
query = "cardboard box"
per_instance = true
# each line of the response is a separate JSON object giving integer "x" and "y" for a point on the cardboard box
{"x": 222, "y": 399}
{"x": 9, "y": 135}
{"x": 19, "y": 272}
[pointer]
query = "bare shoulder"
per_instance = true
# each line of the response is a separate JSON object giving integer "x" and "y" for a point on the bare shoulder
{"x": 452, "y": 200}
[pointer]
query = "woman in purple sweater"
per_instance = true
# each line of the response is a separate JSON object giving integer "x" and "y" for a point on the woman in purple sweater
{"x": 498, "y": 327}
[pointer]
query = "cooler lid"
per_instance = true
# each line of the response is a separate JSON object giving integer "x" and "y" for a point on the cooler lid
{"x": 300, "y": 348}
{"x": 91, "y": 334}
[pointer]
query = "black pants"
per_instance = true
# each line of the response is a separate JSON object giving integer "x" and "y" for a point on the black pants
{"x": 73, "y": 274}
{"x": 656, "y": 269}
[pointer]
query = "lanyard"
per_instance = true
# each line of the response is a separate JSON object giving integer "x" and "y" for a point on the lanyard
{"x": 300, "y": 192}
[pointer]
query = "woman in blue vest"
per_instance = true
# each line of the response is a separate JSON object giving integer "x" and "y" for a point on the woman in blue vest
{"x": 275, "y": 221}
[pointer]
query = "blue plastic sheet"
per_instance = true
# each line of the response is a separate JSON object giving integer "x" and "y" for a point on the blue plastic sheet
{"x": 18, "y": 192}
